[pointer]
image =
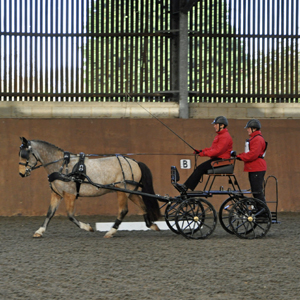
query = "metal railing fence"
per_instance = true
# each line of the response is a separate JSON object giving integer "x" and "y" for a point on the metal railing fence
{"x": 92, "y": 50}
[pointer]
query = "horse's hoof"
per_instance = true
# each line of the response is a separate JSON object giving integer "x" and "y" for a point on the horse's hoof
{"x": 110, "y": 233}
{"x": 37, "y": 235}
{"x": 91, "y": 229}
{"x": 154, "y": 227}
{"x": 108, "y": 236}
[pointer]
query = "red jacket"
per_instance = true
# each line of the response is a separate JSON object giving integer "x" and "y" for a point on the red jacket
{"x": 252, "y": 159}
{"x": 221, "y": 146}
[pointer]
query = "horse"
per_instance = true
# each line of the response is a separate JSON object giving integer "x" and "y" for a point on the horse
{"x": 90, "y": 177}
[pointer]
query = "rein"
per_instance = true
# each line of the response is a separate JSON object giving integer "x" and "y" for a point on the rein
{"x": 129, "y": 154}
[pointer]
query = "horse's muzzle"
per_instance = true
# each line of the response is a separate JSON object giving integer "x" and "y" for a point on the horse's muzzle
{"x": 27, "y": 173}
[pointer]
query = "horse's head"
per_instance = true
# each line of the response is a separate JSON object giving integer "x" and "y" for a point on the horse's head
{"x": 27, "y": 159}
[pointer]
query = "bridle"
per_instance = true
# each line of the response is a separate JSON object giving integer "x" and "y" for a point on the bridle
{"x": 24, "y": 153}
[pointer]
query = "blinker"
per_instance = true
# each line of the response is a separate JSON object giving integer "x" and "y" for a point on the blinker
{"x": 24, "y": 154}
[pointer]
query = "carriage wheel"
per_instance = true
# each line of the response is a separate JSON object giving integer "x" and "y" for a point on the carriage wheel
{"x": 250, "y": 218}
{"x": 224, "y": 212}
{"x": 196, "y": 218}
{"x": 170, "y": 214}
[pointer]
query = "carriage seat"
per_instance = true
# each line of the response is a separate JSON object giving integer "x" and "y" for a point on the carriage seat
{"x": 224, "y": 166}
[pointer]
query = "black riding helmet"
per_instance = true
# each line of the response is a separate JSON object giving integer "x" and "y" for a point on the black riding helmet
{"x": 220, "y": 120}
{"x": 254, "y": 123}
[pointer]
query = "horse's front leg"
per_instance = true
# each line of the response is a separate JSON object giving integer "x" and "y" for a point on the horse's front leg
{"x": 70, "y": 205}
{"x": 123, "y": 210}
{"x": 54, "y": 202}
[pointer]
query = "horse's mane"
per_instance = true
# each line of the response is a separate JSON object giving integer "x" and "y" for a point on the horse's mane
{"x": 48, "y": 144}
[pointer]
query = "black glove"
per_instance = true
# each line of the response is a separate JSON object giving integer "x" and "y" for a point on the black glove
{"x": 238, "y": 158}
{"x": 197, "y": 151}
{"x": 233, "y": 153}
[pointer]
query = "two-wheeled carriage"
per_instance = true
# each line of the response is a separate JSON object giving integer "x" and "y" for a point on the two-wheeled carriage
{"x": 194, "y": 217}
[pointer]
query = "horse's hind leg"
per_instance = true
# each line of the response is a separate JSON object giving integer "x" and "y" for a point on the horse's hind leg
{"x": 140, "y": 203}
{"x": 123, "y": 210}
{"x": 70, "y": 205}
{"x": 54, "y": 202}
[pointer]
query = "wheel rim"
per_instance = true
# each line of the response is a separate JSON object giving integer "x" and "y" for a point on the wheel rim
{"x": 250, "y": 218}
{"x": 224, "y": 213}
{"x": 170, "y": 214}
{"x": 196, "y": 218}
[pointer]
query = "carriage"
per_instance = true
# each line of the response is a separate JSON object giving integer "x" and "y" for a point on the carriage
{"x": 189, "y": 214}
{"x": 193, "y": 216}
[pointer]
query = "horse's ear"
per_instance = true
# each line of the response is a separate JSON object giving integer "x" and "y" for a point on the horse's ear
{"x": 24, "y": 141}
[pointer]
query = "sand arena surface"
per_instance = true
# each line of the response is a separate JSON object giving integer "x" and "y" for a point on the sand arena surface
{"x": 69, "y": 263}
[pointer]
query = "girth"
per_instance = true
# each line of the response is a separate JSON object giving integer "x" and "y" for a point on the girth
{"x": 77, "y": 175}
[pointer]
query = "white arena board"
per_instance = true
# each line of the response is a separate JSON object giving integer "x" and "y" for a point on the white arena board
{"x": 103, "y": 226}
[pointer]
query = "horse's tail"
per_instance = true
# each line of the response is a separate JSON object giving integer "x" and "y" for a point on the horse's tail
{"x": 152, "y": 206}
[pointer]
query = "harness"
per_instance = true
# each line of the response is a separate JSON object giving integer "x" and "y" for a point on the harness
{"x": 78, "y": 174}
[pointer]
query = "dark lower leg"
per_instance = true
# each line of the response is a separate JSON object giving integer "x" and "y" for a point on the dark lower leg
{"x": 256, "y": 180}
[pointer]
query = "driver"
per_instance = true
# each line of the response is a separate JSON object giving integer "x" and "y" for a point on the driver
{"x": 220, "y": 149}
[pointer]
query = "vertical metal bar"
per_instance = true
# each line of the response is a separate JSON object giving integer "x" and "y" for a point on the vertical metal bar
{"x": 221, "y": 40}
{"x": 297, "y": 83}
{"x": 97, "y": 11}
{"x": 10, "y": 60}
{"x": 150, "y": 11}
{"x": 15, "y": 52}
{"x": 259, "y": 66}
{"x": 51, "y": 20}
{"x": 5, "y": 65}
{"x": 115, "y": 66}
{"x": 192, "y": 52}
{"x": 76, "y": 51}
{"x": 232, "y": 66}
{"x": 240, "y": 66}
{"x": 273, "y": 85}
{"x": 57, "y": 40}
{"x": 46, "y": 39}
{"x": 281, "y": 68}
{"x": 41, "y": 56}
{"x": 209, "y": 52}
{"x": 67, "y": 56}
{"x": 205, "y": 22}
{"x": 288, "y": 57}
{"x": 36, "y": 40}
{"x": 278, "y": 75}
{"x": 161, "y": 71}
{"x": 244, "y": 51}
{"x": 87, "y": 58}
{"x": 102, "y": 53}
{"x": 82, "y": 55}
{"x": 133, "y": 46}
{"x": 61, "y": 51}
{"x": 263, "y": 49}
{"x": 231, "y": 45}
{"x": 225, "y": 41}
{"x": 91, "y": 77}
{"x": 269, "y": 22}
{"x": 254, "y": 53}
{"x": 106, "y": 55}
{"x": 291, "y": 75}
{"x": 20, "y": 50}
